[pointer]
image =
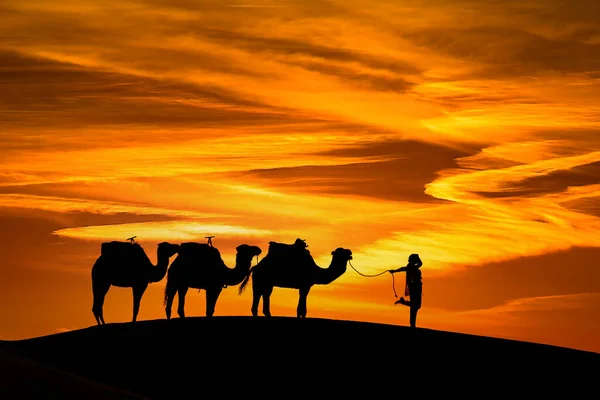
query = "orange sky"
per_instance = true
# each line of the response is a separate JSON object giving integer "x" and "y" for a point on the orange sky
{"x": 466, "y": 131}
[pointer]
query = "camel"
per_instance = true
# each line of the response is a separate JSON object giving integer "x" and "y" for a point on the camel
{"x": 291, "y": 266}
{"x": 200, "y": 266}
{"x": 125, "y": 264}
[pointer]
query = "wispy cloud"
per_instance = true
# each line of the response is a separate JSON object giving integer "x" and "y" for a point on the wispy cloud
{"x": 157, "y": 231}
{"x": 544, "y": 303}
{"x": 62, "y": 330}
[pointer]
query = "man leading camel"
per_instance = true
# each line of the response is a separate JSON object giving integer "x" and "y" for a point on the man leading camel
{"x": 413, "y": 288}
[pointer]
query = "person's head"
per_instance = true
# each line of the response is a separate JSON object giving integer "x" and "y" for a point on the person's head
{"x": 414, "y": 259}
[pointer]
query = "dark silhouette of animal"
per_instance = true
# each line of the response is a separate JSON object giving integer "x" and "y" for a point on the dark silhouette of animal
{"x": 292, "y": 266}
{"x": 200, "y": 266}
{"x": 125, "y": 264}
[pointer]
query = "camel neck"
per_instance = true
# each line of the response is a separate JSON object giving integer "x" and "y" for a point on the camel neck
{"x": 324, "y": 276}
{"x": 236, "y": 275}
{"x": 160, "y": 270}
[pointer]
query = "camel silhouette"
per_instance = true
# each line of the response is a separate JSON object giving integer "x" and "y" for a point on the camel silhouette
{"x": 292, "y": 266}
{"x": 125, "y": 264}
{"x": 200, "y": 266}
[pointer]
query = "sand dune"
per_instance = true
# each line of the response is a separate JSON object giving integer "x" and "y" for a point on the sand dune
{"x": 283, "y": 357}
{"x": 23, "y": 378}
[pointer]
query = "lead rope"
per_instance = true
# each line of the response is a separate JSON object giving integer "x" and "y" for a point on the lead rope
{"x": 373, "y": 276}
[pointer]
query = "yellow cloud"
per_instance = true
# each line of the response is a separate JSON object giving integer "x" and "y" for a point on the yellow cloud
{"x": 159, "y": 231}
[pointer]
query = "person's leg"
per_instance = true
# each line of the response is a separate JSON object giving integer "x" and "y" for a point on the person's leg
{"x": 415, "y": 306}
{"x": 408, "y": 303}
{"x": 403, "y": 302}
{"x": 413, "y": 317}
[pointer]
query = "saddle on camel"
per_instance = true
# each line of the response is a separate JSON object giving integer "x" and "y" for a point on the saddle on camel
{"x": 121, "y": 249}
{"x": 299, "y": 247}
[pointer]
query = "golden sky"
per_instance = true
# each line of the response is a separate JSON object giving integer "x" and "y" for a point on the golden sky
{"x": 466, "y": 131}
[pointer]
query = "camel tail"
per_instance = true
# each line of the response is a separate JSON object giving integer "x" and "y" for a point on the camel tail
{"x": 245, "y": 282}
{"x": 170, "y": 290}
{"x": 166, "y": 294}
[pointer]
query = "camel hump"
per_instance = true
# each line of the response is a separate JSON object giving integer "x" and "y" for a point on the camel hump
{"x": 299, "y": 246}
{"x": 198, "y": 250}
{"x": 119, "y": 249}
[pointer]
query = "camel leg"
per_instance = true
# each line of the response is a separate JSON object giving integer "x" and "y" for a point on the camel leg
{"x": 301, "y": 311}
{"x": 170, "y": 296}
{"x": 266, "y": 296}
{"x": 99, "y": 289}
{"x": 170, "y": 291}
{"x": 138, "y": 292}
{"x": 212, "y": 295}
{"x": 181, "y": 292}
{"x": 256, "y": 294}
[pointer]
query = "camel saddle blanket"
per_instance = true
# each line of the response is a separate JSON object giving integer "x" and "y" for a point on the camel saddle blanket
{"x": 119, "y": 249}
{"x": 299, "y": 246}
{"x": 195, "y": 249}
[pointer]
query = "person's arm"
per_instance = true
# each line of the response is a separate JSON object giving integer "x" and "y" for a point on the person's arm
{"x": 391, "y": 271}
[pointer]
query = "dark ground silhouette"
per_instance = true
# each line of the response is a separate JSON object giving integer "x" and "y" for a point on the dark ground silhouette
{"x": 200, "y": 266}
{"x": 294, "y": 358}
{"x": 23, "y": 378}
{"x": 291, "y": 266}
{"x": 126, "y": 264}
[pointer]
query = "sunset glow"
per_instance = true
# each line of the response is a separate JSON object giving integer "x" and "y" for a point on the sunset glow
{"x": 465, "y": 131}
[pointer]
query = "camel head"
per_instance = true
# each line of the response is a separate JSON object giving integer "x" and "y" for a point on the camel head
{"x": 247, "y": 251}
{"x": 167, "y": 250}
{"x": 342, "y": 254}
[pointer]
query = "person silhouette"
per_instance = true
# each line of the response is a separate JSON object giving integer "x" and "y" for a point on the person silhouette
{"x": 413, "y": 288}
